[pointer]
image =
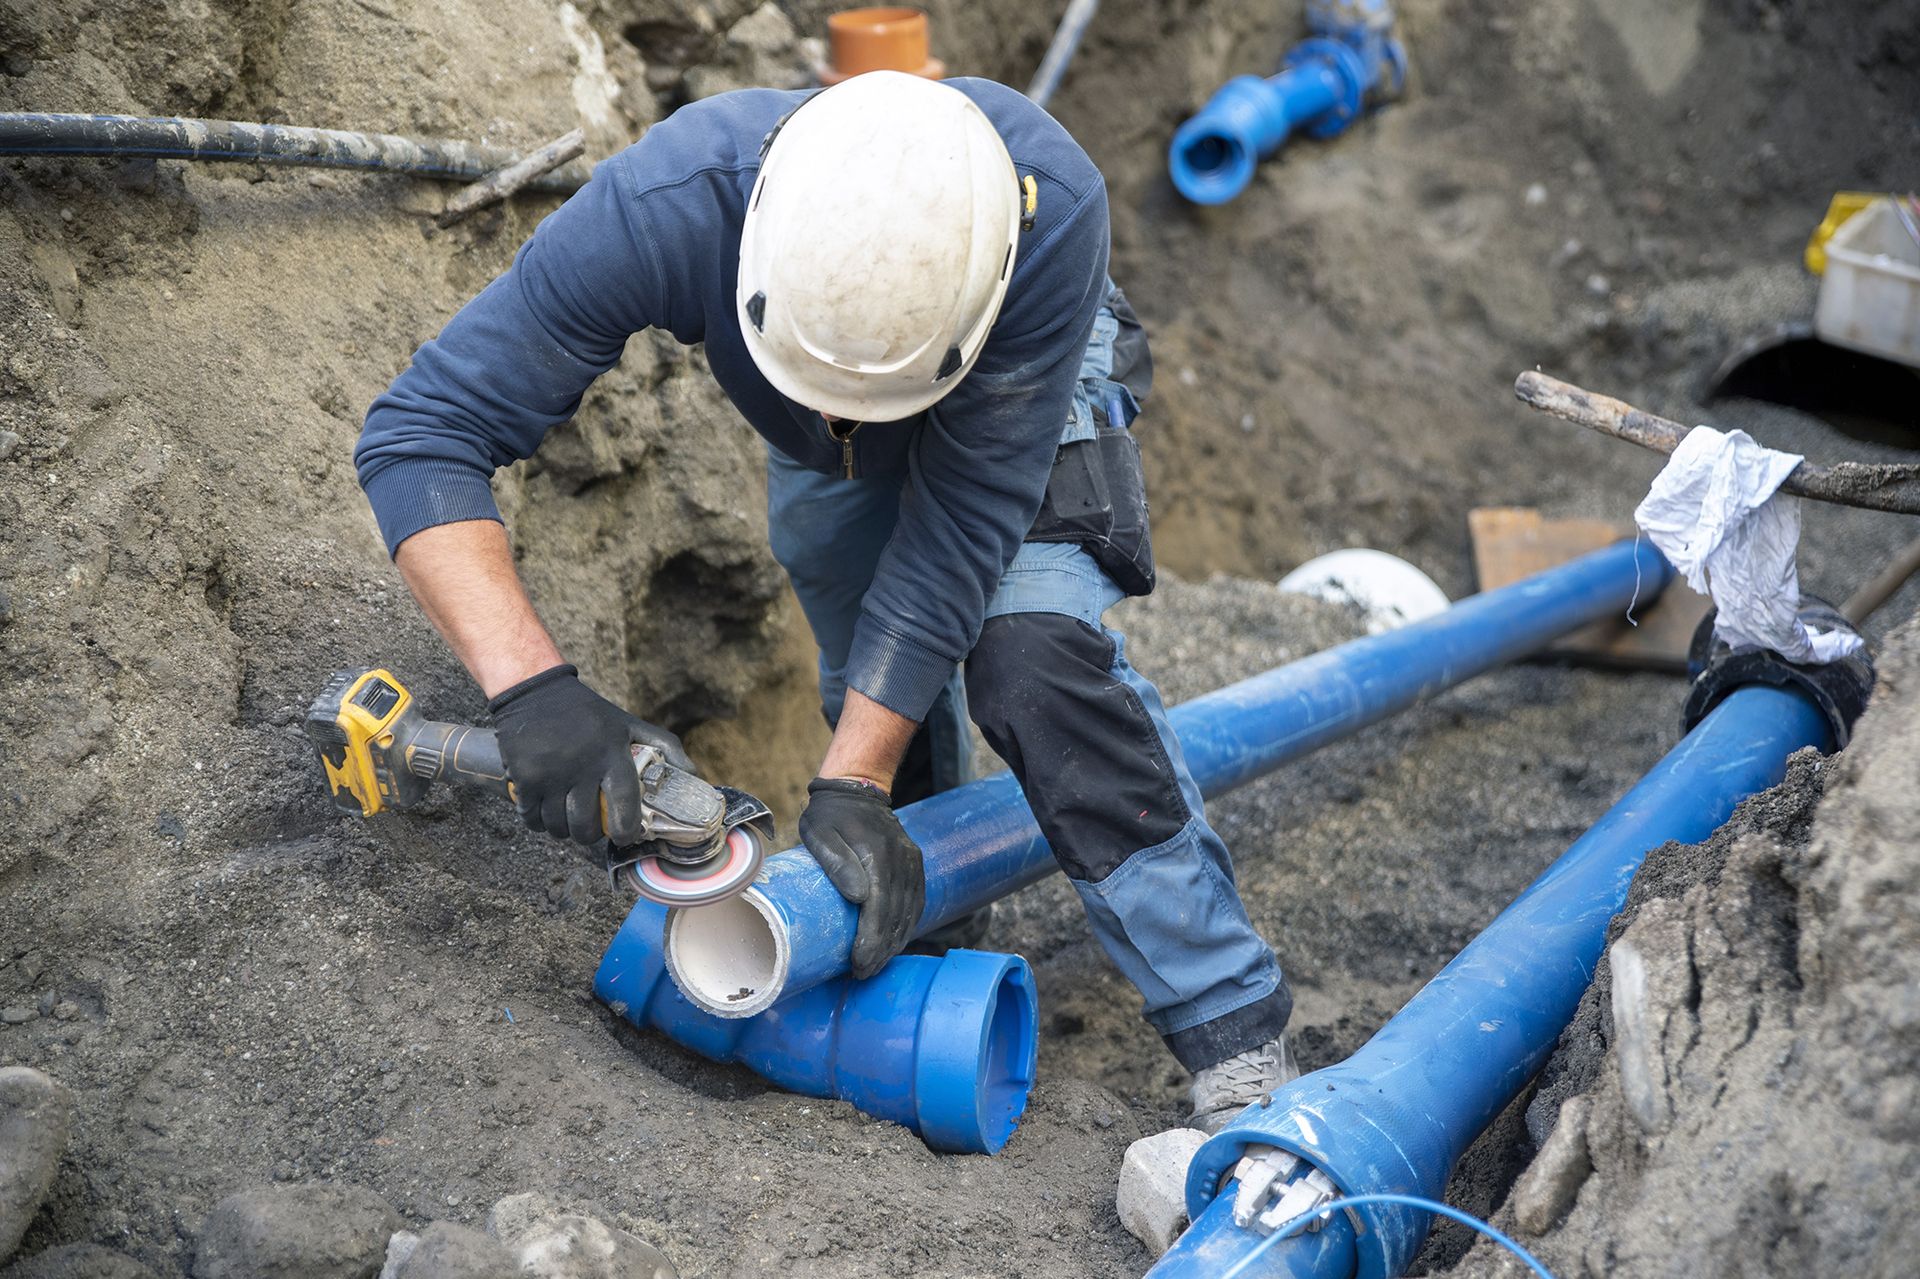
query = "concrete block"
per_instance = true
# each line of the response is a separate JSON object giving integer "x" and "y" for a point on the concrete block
{"x": 1153, "y": 1186}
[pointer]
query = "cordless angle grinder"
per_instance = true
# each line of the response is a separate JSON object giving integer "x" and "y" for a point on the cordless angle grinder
{"x": 699, "y": 843}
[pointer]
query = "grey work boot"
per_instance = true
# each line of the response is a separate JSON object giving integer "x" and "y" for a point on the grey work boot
{"x": 1221, "y": 1092}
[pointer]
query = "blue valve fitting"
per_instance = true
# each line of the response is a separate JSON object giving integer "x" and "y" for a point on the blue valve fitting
{"x": 1351, "y": 60}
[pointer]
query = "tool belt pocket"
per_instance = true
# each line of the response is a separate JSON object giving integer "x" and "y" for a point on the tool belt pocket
{"x": 1097, "y": 499}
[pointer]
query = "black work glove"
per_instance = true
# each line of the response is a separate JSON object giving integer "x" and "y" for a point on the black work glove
{"x": 565, "y": 746}
{"x": 850, "y": 829}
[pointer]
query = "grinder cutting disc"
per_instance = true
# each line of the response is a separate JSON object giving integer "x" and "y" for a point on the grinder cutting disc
{"x": 717, "y": 878}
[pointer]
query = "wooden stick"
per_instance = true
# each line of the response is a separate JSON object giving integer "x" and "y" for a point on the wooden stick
{"x": 1862, "y": 603}
{"x": 501, "y": 183}
{"x": 1876, "y": 486}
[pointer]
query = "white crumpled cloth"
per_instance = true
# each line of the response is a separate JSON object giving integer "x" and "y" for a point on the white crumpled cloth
{"x": 1714, "y": 512}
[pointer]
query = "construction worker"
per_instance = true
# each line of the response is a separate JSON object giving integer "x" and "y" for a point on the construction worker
{"x": 902, "y": 285}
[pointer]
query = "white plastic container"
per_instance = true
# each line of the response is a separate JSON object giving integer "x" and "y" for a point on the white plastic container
{"x": 1870, "y": 295}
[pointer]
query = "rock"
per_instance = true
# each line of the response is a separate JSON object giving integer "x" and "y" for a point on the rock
{"x": 1153, "y": 1186}
{"x": 1634, "y": 1039}
{"x": 577, "y": 1247}
{"x": 399, "y": 1247}
{"x": 448, "y": 1251}
{"x": 766, "y": 32}
{"x": 516, "y": 1215}
{"x": 565, "y": 1245}
{"x": 1547, "y": 1189}
{"x": 300, "y": 1232}
{"x": 78, "y": 1261}
{"x": 9, "y": 441}
{"x": 708, "y": 82}
{"x": 34, "y": 1112}
{"x": 17, "y": 1016}
{"x": 1654, "y": 989}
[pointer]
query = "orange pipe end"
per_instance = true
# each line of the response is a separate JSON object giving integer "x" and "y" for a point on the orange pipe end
{"x": 883, "y": 39}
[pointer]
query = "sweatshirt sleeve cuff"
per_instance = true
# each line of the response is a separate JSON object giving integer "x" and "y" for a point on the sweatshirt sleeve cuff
{"x": 413, "y": 494}
{"x": 901, "y": 674}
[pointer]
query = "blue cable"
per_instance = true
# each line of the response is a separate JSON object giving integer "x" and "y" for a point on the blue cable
{"x": 1301, "y": 1222}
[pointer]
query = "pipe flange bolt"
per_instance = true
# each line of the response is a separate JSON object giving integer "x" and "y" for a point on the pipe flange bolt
{"x": 1840, "y": 689}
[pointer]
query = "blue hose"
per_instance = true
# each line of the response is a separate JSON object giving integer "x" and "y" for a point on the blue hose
{"x": 1294, "y": 1227}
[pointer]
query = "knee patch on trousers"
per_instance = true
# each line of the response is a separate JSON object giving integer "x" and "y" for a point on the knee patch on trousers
{"x": 1042, "y": 689}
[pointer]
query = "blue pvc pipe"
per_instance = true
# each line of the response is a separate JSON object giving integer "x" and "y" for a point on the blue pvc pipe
{"x": 980, "y": 841}
{"x": 942, "y": 1046}
{"x": 1397, "y": 1115}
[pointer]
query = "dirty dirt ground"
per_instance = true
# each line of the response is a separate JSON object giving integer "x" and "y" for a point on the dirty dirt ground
{"x": 257, "y": 990}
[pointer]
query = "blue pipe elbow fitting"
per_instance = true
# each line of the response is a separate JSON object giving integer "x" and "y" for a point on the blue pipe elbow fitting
{"x": 1351, "y": 59}
{"x": 792, "y": 930}
{"x": 1397, "y": 1115}
{"x": 944, "y": 1047}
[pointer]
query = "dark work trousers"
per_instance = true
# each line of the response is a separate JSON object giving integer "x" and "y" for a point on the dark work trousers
{"x": 1086, "y": 734}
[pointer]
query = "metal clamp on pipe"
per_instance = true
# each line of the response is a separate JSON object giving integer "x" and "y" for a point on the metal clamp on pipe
{"x": 944, "y": 1047}
{"x": 792, "y": 930}
{"x": 1396, "y": 1116}
{"x": 1351, "y": 60}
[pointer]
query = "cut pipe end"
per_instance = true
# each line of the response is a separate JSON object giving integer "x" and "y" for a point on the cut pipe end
{"x": 730, "y": 958}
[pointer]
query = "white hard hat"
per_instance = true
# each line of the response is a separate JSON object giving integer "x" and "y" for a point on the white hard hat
{"x": 878, "y": 243}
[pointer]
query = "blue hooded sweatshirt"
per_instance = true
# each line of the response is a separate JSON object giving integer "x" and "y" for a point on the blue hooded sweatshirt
{"x": 654, "y": 241}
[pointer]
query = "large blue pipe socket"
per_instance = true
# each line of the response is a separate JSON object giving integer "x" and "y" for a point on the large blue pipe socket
{"x": 1398, "y": 1114}
{"x": 1351, "y": 60}
{"x": 944, "y": 1047}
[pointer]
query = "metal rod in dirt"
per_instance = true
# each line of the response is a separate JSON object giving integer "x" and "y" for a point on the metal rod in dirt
{"x": 1066, "y": 41}
{"x": 1875, "y": 486}
{"x": 501, "y": 183}
{"x": 173, "y": 138}
{"x": 1862, "y": 603}
{"x": 792, "y": 930}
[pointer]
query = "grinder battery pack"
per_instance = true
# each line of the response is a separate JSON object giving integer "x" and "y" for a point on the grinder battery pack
{"x": 699, "y": 843}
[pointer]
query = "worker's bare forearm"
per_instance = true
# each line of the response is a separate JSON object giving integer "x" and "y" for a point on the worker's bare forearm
{"x": 868, "y": 743}
{"x": 464, "y": 578}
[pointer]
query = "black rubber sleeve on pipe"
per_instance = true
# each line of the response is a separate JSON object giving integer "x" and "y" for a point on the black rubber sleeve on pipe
{"x": 1840, "y": 689}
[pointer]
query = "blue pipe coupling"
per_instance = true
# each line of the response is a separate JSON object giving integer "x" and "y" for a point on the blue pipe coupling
{"x": 944, "y": 1047}
{"x": 1397, "y": 1115}
{"x": 1351, "y": 60}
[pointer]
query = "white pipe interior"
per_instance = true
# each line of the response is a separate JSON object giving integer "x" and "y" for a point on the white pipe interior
{"x": 728, "y": 956}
